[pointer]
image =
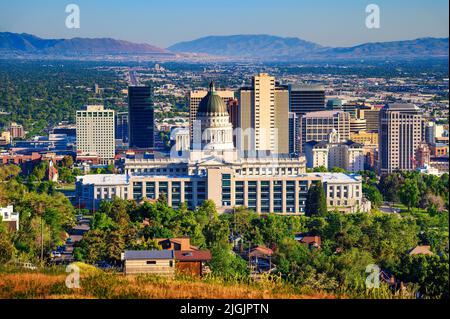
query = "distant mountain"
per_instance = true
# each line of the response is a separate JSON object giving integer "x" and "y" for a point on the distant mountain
{"x": 266, "y": 47}
{"x": 30, "y": 44}
{"x": 247, "y": 46}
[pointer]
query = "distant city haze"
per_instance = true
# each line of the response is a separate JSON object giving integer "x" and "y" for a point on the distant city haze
{"x": 164, "y": 23}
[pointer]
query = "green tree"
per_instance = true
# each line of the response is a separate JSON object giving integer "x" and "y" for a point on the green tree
{"x": 409, "y": 193}
{"x": 316, "y": 202}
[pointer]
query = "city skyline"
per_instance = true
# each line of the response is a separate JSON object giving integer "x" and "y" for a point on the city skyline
{"x": 180, "y": 21}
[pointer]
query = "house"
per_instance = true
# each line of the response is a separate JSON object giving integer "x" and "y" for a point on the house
{"x": 192, "y": 262}
{"x": 310, "y": 241}
{"x": 154, "y": 262}
{"x": 10, "y": 217}
{"x": 181, "y": 243}
{"x": 421, "y": 250}
{"x": 260, "y": 252}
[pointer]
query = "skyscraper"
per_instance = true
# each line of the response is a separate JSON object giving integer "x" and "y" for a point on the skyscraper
{"x": 400, "y": 136}
{"x": 306, "y": 98}
{"x": 95, "y": 132}
{"x": 141, "y": 117}
{"x": 317, "y": 126}
{"x": 264, "y": 116}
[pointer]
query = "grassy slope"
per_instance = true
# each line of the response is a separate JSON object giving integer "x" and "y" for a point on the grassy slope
{"x": 31, "y": 285}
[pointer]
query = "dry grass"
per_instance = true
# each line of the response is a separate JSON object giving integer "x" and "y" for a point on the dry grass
{"x": 113, "y": 286}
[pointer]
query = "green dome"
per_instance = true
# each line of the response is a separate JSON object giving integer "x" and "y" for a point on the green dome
{"x": 212, "y": 103}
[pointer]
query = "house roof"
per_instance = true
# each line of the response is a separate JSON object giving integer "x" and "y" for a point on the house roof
{"x": 196, "y": 255}
{"x": 310, "y": 240}
{"x": 260, "y": 251}
{"x": 149, "y": 254}
{"x": 421, "y": 250}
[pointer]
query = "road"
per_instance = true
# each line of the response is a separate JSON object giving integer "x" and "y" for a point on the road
{"x": 133, "y": 78}
{"x": 387, "y": 208}
{"x": 76, "y": 235}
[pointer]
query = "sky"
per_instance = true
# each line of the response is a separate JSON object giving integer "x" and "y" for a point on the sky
{"x": 165, "y": 22}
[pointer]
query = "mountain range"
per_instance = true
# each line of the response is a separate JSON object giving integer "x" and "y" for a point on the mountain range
{"x": 258, "y": 47}
{"x": 267, "y": 47}
{"x": 30, "y": 44}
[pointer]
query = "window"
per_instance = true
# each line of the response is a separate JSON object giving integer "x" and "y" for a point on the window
{"x": 151, "y": 262}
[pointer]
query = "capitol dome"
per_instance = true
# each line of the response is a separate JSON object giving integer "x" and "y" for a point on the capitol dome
{"x": 212, "y": 103}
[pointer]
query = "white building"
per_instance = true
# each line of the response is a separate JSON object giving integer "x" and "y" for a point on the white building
{"x": 333, "y": 153}
{"x": 10, "y": 217}
{"x": 96, "y": 132}
{"x": 179, "y": 138}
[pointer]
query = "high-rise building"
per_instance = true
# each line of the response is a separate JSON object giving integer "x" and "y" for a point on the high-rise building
{"x": 294, "y": 133}
{"x": 233, "y": 110}
{"x": 400, "y": 136}
{"x": 306, "y": 98}
{"x": 96, "y": 132}
{"x": 194, "y": 100}
{"x": 372, "y": 120}
{"x": 141, "y": 117}
{"x": 122, "y": 126}
{"x": 16, "y": 130}
{"x": 264, "y": 116}
{"x": 357, "y": 125}
{"x": 317, "y": 126}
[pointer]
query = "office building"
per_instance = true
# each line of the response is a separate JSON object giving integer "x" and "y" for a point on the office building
{"x": 141, "y": 117}
{"x": 400, "y": 136}
{"x": 357, "y": 125}
{"x": 317, "y": 126}
{"x": 306, "y": 98}
{"x": 233, "y": 110}
{"x": 194, "y": 100}
{"x": 294, "y": 133}
{"x": 96, "y": 132}
{"x": 372, "y": 120}
{"x": 216, "y": 172}
{"x": 264, "y": 116}
{"x": 122, "y": 127}
{"x": 333, "y": 153}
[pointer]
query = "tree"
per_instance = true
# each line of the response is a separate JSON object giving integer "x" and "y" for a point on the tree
{"x": 409, "y": 193}
{"x": 373, "y": 194}
{"x": 6, "y": 246}
{"x": 389, "y": 186}
{"x": 67, "y": 161}
{"x": 316, "y": 202}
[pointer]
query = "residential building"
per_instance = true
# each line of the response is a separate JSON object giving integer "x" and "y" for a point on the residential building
{"x": 317, "y": 126}
{"x": 155, "y": 262}
{"x": 96, "y": 132}
{"x": 141, "y": 117}
{"x": 400, "y": 136}
{"x": 9, "y": 217}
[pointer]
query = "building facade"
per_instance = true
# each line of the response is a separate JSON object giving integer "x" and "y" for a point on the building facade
{"x": 141, "y": 117}
{"x": 264, "y": 116}
{"x": 400, "y": 136}
{"x": 317, "y": 126}
{"x": 96, "y": 132}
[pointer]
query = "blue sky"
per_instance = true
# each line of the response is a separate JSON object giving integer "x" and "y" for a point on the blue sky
{"x": 165, "y": 22}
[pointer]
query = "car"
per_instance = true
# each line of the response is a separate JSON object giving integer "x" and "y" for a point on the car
{"x": 56, "y": 254}
{"x": 69, "y": 241}
{"x": 61, "y": 249}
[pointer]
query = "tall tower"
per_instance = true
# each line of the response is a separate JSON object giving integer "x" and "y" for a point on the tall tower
{"x": 264, "y": 116}
{"x": 141, "y": 117}
{"x": 96, "y": 132}
{"x": 400, "y": 136}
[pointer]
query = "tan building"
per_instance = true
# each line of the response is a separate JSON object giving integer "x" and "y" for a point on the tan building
{"x": 96, "y": 132}
{"x": 16, "y": 130}
{"x": 372, "y": 119}
{"x": 264, "y": 116}
{"x": 153, "y": 262}
{"x": 400, "y": 136}
{"x": 365, "y": 138}
{"x": 317, "y": 126}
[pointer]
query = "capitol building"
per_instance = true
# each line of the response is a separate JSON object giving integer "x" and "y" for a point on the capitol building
{"x": 214, "y": 170}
